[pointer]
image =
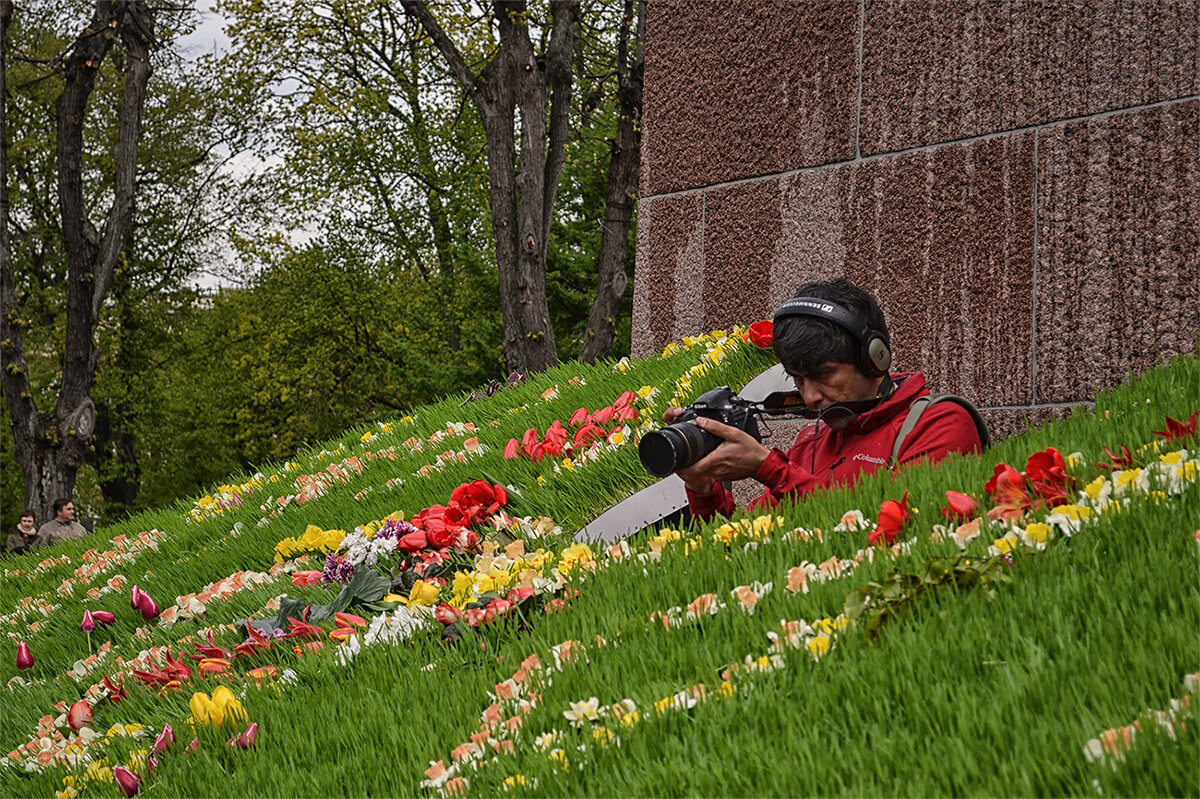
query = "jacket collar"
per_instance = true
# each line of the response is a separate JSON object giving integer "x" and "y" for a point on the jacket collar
{"x": 909, "y": 386}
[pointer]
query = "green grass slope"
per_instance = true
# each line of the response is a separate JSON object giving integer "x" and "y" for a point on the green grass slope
{"x": 1049, "y": 656}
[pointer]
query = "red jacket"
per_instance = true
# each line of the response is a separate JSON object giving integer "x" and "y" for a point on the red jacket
{"x": 822, "y": 457}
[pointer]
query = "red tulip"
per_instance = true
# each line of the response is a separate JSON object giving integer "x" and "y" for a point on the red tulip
{"x": 414, "y": 542}
{"x": 79, "y": 715}
{"x": 165, "y": 738}
{"x": 1179, "y": 431}
{"x": 24, "y": 657}
{"x": 88, "y": 624}
{"x": 512, "y": 449}
{"x": 447, "y": 614}
{"x": 303, "y": 578}
{"x": 128, "y": 781}
{"x": 587, "y": 434}
{"x": 530, "y": 438}
{"x": 1007, "y": 486}
{"x": 115, "y": 692}
{"x": 579, "y": 417}
{"x": 343, "y": 619}
{"x": 625, "y": 400}
{"x": 555, "y": 434}
{"x": 103, "y": 617}
{"x": 762, "y": 334}
{"x": 960, "y": 507}
{"x": 213, "y": 666}
{"x": 892, "y": 516}
{"x": 604, "y": 415}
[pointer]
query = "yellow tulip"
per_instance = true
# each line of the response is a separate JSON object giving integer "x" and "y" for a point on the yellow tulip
{"x": 214, "y": 711}
{"x": 423, "y": 593}
{"x": 200, "y": 703}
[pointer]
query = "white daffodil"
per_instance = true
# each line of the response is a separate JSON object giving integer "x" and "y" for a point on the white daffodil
{"x": 583, "y": 712}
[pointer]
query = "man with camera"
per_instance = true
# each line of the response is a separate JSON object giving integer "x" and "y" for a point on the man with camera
{"x": 833, "y": 341}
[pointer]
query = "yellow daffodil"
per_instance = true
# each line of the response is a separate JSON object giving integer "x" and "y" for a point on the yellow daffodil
{"x": 99, "y": 770}
{"x": 818, "y": 645}
{"x": 1006, "y": 544}
{"x": 1038, "y": 532}
{"x": 313, "y": 537}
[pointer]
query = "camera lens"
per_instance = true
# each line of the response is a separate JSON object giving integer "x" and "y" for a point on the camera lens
{"x": 681, "y": 444}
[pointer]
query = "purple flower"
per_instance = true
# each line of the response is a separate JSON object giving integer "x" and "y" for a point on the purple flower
{"x": 337, "y": 569}
{"x": 395, "y": 529}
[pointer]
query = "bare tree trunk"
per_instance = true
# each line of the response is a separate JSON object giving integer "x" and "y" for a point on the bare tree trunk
{"x": 51, "y": 448}
{"x": 522, "y": 190}
{"x": 623, "y": 170}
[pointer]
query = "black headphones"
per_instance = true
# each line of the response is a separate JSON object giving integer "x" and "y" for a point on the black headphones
{"x": 874, "y": 354}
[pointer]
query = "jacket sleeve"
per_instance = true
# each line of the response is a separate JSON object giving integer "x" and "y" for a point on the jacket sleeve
{"x": 782, "y": 477}
{"x": 719, "y": 501}
{"x": 944, "y": 428}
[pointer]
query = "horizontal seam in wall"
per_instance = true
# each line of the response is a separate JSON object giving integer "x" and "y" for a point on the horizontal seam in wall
{"x": 924, "y": 147}
{"x": 1039, "y": 407}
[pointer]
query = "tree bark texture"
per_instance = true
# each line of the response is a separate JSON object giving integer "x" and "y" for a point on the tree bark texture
{"x": 525, "y": 160}
{"x": 623, "y": 172}
{"x": 51, "y": 447}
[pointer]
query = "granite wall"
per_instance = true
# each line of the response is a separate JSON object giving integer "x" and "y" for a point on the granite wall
{"x": 1018, "y": 183}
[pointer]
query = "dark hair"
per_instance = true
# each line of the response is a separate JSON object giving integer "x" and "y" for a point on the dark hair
{"x": 59, "y": 504}
{"x": 804, "y": 343}
{"x": 27, "y": 512}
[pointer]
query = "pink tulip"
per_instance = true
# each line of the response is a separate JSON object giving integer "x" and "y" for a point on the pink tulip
{"x": 103, "y": 617}
{"x": 79, "y": 715}
{"x": 24, "y": 657}
{"x": 147, "y": 606}
{"x": 135, "y": 594}
{"x": 128, "y": 781}
{"x": 165, "y": 738}
{"x": 88, "y": 624}
{"x": 151, "y": 765}
{"x": 192, "y": 747}
{"x": 247, "y": 739}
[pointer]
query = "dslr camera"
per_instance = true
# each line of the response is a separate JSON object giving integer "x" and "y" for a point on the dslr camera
{"x": 683, "y": 443}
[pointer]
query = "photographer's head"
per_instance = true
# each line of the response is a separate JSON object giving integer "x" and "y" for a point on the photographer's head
{"x": 833, "y": 340}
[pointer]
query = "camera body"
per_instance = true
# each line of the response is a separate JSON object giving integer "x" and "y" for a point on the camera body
{"x": 683, "y": 443}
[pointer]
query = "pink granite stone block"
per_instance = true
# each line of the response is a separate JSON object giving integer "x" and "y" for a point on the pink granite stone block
{"x": 670, "y": 248}
{"x": 741, "y": 88}
{"x": 1118, "y": 285}
{"x": 942, "y": 70}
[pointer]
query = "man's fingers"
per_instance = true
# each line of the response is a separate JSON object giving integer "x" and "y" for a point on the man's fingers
{"x": 727, "y": 432}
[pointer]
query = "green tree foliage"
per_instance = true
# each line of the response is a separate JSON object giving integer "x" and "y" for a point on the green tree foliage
{"x": 364, "y": 343}
{"x": 377, "y": 137}
{"x": 185, "y": 196}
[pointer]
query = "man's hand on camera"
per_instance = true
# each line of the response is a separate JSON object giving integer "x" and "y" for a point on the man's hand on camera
{"x": 738, "y": 457}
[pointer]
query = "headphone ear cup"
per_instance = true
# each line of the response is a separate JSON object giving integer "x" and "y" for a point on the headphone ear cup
{"x": 878, "y": 355}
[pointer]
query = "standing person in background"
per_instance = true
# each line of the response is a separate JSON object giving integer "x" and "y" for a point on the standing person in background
{"x": 24, "y": 538}
{"x": 62, "y": 526}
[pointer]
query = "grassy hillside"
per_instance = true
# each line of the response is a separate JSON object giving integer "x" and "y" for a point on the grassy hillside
{"x": 778, "y": 655}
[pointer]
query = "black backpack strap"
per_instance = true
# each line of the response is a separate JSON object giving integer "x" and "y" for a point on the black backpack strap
{"x": 919, "y": 406}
